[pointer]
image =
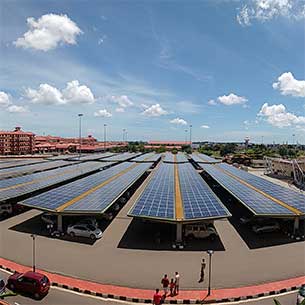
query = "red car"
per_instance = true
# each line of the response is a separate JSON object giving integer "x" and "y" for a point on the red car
{"x": 33, "y": 283}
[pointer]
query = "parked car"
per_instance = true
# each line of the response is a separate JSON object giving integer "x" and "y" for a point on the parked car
{"x": 107, "y": 216}
{"x": 84, "y": 230}
{"x": 266, "y": 227}
{"x": 88, "y": 221}
{"x": 33, "y": 283}
{"x": 200, "y": 231}
{"x": 6, "y": 209}
{"x": 2, "y": 286}
{"x": 245, "y": 220}
{"x": 301, "y": 295}
{"x": 49, "y": 219}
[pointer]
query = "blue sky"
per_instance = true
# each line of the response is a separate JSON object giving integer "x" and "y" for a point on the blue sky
{"x": 154, "y": 68}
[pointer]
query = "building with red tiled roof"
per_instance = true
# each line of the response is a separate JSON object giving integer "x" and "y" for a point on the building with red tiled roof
{"x": 16, "y": 142}
{"x": 169, "y": 143}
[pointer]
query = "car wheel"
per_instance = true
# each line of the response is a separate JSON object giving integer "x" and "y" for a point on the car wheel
{"x": 72, "y": 234}
{"x": 37, "y": 296}
{"x": 92, "y": 237}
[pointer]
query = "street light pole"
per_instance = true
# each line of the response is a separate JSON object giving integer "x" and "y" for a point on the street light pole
{"x": 105, "y": 125}
{"x": 80, "y": 135}
{"x": 191, "y": 135}
{"x": 124, "y": 134}
{"x": 210, "y": 252}
{"x": 185, "y": 136}
{"x": 34, "y": 252}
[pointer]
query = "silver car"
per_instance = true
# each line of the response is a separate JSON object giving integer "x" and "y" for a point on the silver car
{"x": 83, "y": 230}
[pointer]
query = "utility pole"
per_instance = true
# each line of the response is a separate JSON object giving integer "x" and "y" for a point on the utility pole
{"x": 124, "y": 134}
{"x": 34, "y": 252}
{"x": 185, "y": 136}
{"x": 80, "y": 135}
{"x": 191, "y": 135}
{"x": 105, "y": 125}
{"x": 210, "y": 252}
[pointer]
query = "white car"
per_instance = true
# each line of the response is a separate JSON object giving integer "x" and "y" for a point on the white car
{"x": 83, "y": 230}
{"x": 6, "y": 209}
{"x": 200, "y": 231}
{"x": 88, "y": 221}
{"x": 266, "y": 228}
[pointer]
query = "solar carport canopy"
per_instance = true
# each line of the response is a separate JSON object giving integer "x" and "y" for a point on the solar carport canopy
{"x": 15, "y": 163}
{"x": 159, "y": 199}
{"x": 172, "y": 158}
{"x": 283, "y": 194}
{"x": 94, "y": 156}
{"x": 15, "y": 187}
{"x": 32, "y": 168}
{"x": 122, "y": 157}
{"x": 249, "y": 197}
{"x": 149, "y": 157}
{"x": 92, "y": 194}
{"x": 202, "y": 158}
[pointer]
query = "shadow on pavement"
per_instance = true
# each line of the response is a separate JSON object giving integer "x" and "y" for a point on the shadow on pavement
{"x": 146, "y": 235}
{"x": 253, "y": 240}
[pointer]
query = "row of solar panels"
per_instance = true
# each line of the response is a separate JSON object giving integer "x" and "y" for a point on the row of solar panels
{"x": 175, "y": 158}
{"x": 202, "y": 158}
{"x": 159, "y": 198}
{"x": 259, "y": 195}
{"x": 14, "y": 163}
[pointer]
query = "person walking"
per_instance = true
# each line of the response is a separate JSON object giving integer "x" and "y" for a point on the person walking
{"x": 203, "y": 265}
{"x": 157, "y": 298}
{"x": 172, "y": 287}
{"x": 177, "y": 283}
{"x": 165, "y": 283}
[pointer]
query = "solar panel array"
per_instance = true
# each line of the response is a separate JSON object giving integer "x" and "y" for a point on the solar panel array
{"x": 149, "y": 157}
{"x": 32, "y": 168}
{"x": 175, "y": 158}
{"x": 15, "y": 187}
{"x": 199, "y": 201}
{"x": 94, "y": 156}
{"x": 290, "y": 197}
{"x": 158, "y": 198}
{"x": 121, "y": 157}
{"x": 168, "y": 157}
{"x": 16, "y": 163}
{"x": 101, "y": 196}
{"x": 61, "y": 157}
{"x": 181, "y": 158}
{"x": 202, "y": 158}
{"x": 255, "y": 201}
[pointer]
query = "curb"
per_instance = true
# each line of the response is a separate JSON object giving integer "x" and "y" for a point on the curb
{"x": 149, "y": 301}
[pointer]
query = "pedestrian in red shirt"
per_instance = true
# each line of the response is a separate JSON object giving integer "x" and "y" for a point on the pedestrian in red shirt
{"x": 172, "y": 287}
{"x": 165, "y": 284}
{"x": 157, "y": 298}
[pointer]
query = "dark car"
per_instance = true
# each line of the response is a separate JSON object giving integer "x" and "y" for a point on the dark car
{"x": 33, "y": 283}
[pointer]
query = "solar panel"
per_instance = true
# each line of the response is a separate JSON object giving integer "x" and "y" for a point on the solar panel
{"x": 181, "y": 158}
{"x": 121, "y": 157}
{"x": 202, "y": 158}
{"x": 98, "y": 199}
{"x": 199, "y": 201}
{"x": 256, "y": 202}
{"x": 288, "y": 196}
{"x": 175, "y": 158}
{"x": 61, "y": 157}
{"x": 32, "y": 168}
{"x": 149, "y": 157}
{"x": 158, "y": 198}
{"x": 16, "y": 163}
{"x": 169, "y": 157}
{"x": 15, "y": 187}
{"x": 94, "y": 156}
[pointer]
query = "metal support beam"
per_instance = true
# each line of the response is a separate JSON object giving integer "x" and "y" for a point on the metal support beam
{"x": 179, "y": 232}
{"x": 296, "y": 225}
{"x": 59, "y": 223}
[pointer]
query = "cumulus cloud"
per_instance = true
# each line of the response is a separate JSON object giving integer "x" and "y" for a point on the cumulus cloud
{"x": 288, "y": 85}
{"x": 264, "y": 10}
{"x": 48, "y": 31}
{"x": 154, "y": 111}
{"x": 278, "y": 116}
{"x": 205, "y": 126}
{"x": 231, "y": 99}
{"x": 103, "y": 113}
{"x": 178, "y": 121}
{"x": 5, "y": 99}
{"x": 74, "y": 93}
{"x": 212, "y": 103}
{"x": 123, "y": 101}
{"x": 17, "y": 109}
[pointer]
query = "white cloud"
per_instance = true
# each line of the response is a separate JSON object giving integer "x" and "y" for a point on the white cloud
{"x": 103, "y": 113}
{"x": 74, "y": 93}
{"x": 278, "y": 116}
{"x": 205, "y": 126}
{"x": 231, "y": 99}
{"x": 123, "y": 101}
{"x": 212, "y": 103}
{"x": 178, "y": 121}
{"x": 17, "y": 109}
{"x": 119, "y": 109}
{"x": 5, "y": 99}
{"x": 48, "y": 32}
{"x": 264, "y": 10}
{"x": 154, "y": 111}
{"x": 288, "y": 85}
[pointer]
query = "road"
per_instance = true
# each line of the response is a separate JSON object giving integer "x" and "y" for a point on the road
{"x": 59, "y": 296}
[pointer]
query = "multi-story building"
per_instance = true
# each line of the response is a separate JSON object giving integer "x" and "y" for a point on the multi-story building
{"x": 16, "y": 142}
